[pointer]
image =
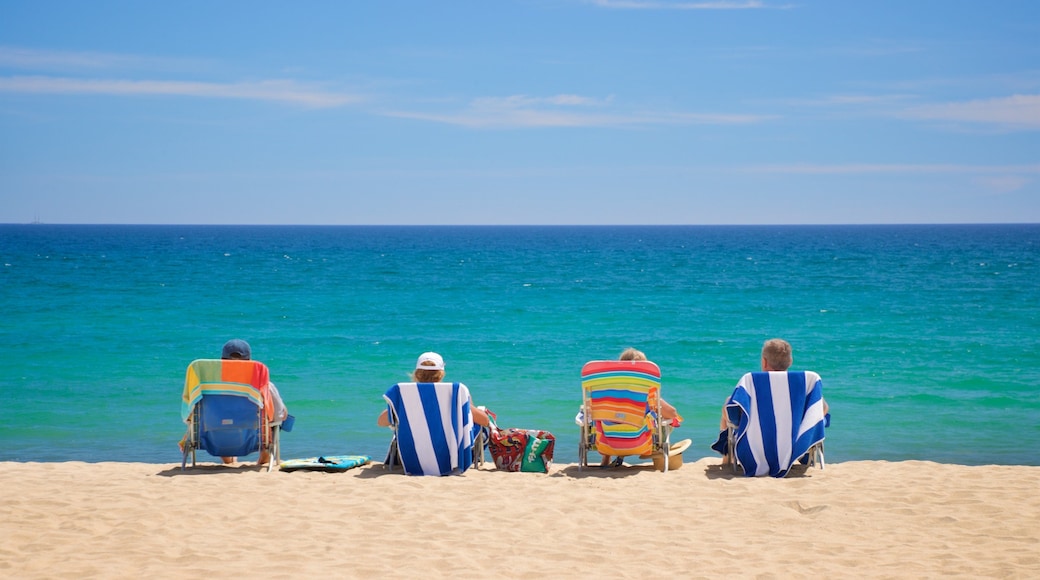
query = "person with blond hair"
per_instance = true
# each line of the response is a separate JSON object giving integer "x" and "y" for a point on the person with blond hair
{"x": 668, "y": 412}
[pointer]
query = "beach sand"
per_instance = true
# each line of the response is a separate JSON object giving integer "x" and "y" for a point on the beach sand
{"x": 854, "y": 519}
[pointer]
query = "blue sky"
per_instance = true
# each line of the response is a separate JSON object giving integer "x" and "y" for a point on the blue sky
{"x": 520, "y": 112}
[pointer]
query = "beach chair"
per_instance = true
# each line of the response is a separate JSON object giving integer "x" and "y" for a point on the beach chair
{"x": 620, "y": 411}
{"x": 228, "y": 409}
{"x": 775, "y": 419}
{"x": 433, "y": 429}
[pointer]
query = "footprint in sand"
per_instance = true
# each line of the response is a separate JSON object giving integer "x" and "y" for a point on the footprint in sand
{"x": 798, "y": 507}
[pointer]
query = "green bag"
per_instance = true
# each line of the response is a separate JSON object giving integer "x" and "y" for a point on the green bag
{"x": 538, "y": 452}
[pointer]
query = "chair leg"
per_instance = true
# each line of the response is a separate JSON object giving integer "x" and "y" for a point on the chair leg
{"x": 731, "y": 448}
{"x": 391, "y": 455}
{"x": 276, "y": 453}
{"x": 189, "y": 439}
{"x": 816, "y": 455}
{"x": 666, "y": 447}
{"x": 478, "y": 448}
{"x": 583, "y": 450}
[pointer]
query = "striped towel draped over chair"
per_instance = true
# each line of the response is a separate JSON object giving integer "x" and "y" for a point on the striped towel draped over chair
{"x": 778, "y": 417}
{"x": 229, "y": 410}
{"x": 433, "y": 427}
{"x": 243, "y": 378}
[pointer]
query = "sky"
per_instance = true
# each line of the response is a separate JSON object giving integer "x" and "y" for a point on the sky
{"x": 520, "y": 112}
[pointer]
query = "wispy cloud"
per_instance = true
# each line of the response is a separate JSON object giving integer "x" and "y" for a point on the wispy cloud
{"x": 276, "y": 90}
{"x": 1001, "y": 184}
{"x": 522, "y": 111}
{"x": 879, "y": 47}
{"x": 658, "y": 5}
{"x": 993, "y": 179}
{"x": 851, "y": 100}
{"x": 90, "y": 62}
{"x": 519, "y": 101}
{"x": 893, "y": 168}
{"x": 1017, "y": 112}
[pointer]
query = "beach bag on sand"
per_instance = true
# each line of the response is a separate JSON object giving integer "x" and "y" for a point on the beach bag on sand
{"x": 522, "y": 449}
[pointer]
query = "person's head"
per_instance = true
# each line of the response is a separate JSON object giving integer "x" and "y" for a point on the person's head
{"x": 632, "y": 354}
{"x": 236, "y": 349}
{"x": 429, "y": 368}
{"x": 776, "y": 355}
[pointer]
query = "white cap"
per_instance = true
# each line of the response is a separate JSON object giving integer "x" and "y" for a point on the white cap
{"x": 429, "y": 357}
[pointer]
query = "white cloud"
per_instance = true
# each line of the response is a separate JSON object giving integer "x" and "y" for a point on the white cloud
{"x": 40, "y": 61}
{"x": 857, "y": 100}
{"x": 278, "y": 90}
{"x": 522, "y": 111}
{"x": 992, "y": 179}
{"x": 12, "y": 57}
{"x": 1001, "y": 184}
{"x": 1017, "y": 112}
{"x": 523, "y": 101}
{"x": 898, "y": 168}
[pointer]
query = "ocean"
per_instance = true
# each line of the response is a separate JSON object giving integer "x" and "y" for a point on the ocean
{"x": 926, "y": 336}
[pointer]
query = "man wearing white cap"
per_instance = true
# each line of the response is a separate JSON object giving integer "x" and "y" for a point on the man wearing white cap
{"x": 429, "y": 368}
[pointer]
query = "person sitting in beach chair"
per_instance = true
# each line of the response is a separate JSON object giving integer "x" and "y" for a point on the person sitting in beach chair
{"x": 668, "y": 412}
{"x": 238, "y": 349}
{"x": 231, "y": 408}
{"x": 437, "y": 429}
{"x": 621, "y": 412}
{"x": 774, "y": 418}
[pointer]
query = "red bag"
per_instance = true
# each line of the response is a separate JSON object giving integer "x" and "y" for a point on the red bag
{"x": 522, "y": 449}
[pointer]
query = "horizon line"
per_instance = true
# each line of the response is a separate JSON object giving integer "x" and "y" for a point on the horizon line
{"x": 525, "y": 225}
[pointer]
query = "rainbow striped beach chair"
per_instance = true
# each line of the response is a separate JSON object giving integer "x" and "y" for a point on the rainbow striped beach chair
{"x": 621, "y": 404}
{"x": 228, "y": 409}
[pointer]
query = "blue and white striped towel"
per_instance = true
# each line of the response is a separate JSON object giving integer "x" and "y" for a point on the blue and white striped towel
{"x": 434, "y": 427}
{"x": 779, "y": 417}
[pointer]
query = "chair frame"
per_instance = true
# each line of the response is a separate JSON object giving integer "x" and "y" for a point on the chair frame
{"x": 813, "y": 456}
{"x": 393, "y": 456}
{"x": 393, "y": 452}
{"x": 273, "y": 446}
{"x": 660, "y": 431}
{"x": 269, "y": 432}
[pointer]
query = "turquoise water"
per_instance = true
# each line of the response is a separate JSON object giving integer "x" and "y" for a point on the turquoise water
{"x": 926, "y": 336}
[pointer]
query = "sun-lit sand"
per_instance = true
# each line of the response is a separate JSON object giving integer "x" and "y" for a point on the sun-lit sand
{"x": 854, "y": 519}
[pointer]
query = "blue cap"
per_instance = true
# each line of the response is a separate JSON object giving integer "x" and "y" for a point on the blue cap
{"x": 236, "y": 349}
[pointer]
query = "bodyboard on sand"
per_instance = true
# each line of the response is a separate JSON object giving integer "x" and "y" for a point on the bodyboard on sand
{"x": 325, "y": 463}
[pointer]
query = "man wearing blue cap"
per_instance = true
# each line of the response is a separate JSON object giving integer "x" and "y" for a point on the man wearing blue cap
{"x": 238, "y": 349}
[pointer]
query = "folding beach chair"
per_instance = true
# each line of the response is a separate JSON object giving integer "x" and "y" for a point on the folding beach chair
{"x": 775, "y": 419}
{"x": 433, "y": 429}
{"x": 621, "y": 410}
{"x": 228, "y": 409}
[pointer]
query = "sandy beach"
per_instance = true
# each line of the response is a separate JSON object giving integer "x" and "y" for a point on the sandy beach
{"x": 862, "y": 519}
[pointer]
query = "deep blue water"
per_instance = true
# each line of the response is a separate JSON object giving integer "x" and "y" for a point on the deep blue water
{"x": 926, "y": 336}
